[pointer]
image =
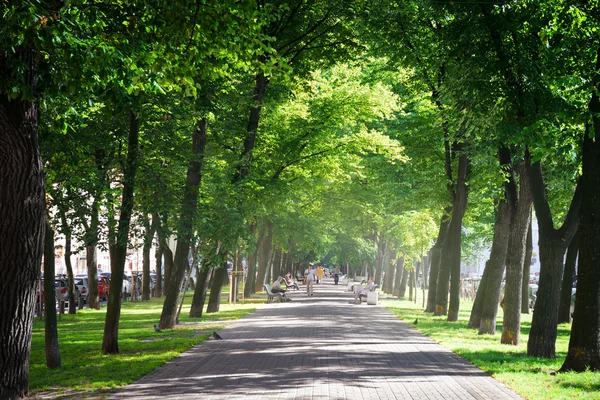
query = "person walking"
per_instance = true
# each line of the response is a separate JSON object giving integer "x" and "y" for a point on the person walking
{"x": 310, "y": 279}
{"x": 320, "y": 274}
{"x": 336, "y": 274}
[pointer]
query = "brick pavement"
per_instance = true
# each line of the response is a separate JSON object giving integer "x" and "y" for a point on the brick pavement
{"x": 319, "y": 347}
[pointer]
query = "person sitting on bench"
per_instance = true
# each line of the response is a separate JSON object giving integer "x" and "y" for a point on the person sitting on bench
{"x": 289, "y": 282}
{"x": 276, "y": 287}
{"x": 359, "y": 294}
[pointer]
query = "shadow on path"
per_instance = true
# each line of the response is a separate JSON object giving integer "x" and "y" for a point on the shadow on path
{"x": 318, "y": 347}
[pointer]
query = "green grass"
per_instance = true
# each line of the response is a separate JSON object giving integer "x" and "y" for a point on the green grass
{"x": 86, "y": 371}
{"x": 530, "y": 377}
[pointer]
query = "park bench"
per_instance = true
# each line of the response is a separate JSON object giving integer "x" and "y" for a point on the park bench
{"x": 357, "y": 281}
{"x": 271, "y": 297}
{"x": 372, "y": 296}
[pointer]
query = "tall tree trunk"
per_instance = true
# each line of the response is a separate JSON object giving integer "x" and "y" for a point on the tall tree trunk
{"x": 185, "y": 229}
{"x": 552, "y": 244}
{"x": 411, "y": 280}
{"x": 250, "y": 287}
{"x": 277, "y": 258}
{"x": 527, "y": 269}
{"x": 66, "y": 230}
{"x": 289, "y": 266}
{"x": 260, "y": 88}
{"x": 388, "y": 281}
{"x": 441, "y": 296}
{"x": 70, "y": 275}
{"x": 110, "y": 341}
{"x": 436, "y": 259}
{"x": 148, "y": 236}
{"x": 381, "y": 246}
{"x": 458, "y": 211}
{"x": 168, "y": 266}
{"x": 91, "y": 256}
{"x": 475, "y": 317}
{"x": 158, "y": 255}
{"x": 584, "y": 345}
{"x": 214, "y": 301}
{"x": 51, "y": 326}
{"x": 200, "y": 293}
{"x": 398, "y": 276}
{"x": 22, "y": 212}
{"x": 520, "y": 221}
{"x": 405, "y": 272}
{"x": 264, "y": 254}
{"x": 564, "y": 308}
{"x": 494, "y": 269}
{"x": 426, "y": 264}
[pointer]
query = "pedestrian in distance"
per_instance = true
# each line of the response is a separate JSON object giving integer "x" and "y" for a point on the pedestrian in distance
{"x": 320, "y": 274}
{"x": 310, "y": 279}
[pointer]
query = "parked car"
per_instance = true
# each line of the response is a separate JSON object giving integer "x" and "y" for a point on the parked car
{"x": 82, "y": 285}
{"x": 103, "y": 286}
{"x": 62, "y": 290}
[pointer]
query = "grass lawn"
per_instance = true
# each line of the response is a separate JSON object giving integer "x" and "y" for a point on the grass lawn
{"x": 87, "y": 372}
{"x": 530, "y": 377}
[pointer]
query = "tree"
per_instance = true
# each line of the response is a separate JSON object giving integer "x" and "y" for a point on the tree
{"x": 22, "y": 203}
{"x": 584, "y": 348}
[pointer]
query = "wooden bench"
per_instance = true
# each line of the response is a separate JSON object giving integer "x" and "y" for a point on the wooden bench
{"x": 271, "y": 297}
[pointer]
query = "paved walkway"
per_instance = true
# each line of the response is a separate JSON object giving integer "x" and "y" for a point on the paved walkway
{"x": 320, "y": 347}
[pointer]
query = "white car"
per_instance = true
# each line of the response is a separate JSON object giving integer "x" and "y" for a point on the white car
{"x": 82, "y": 286}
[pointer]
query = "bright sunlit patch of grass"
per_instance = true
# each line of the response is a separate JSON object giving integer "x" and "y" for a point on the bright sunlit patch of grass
{"x": 530, "y": 377}
{"x": 85, "y": 370}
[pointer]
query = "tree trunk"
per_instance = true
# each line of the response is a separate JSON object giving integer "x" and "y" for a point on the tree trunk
{"x": 584, "y": 345}
{"x": 169, "y": 263}
{"x": 564, "y": 307}
{"x": 381, "y": 247}
{"x": 264, "y": 254}
{"x": 458, "y": 211}
{"x": 250, "y": 287}
{"x": 441, "y": 295}
{"x": 158, "y": 255}
{"x": 436, "y": 259}
{"x": 289, "y": 266}
{"x": 91, "y": 256}
{"x": 526, "y": 270}
{"x": 185, "y": 229}
{"x": 411, "y": 280}
{"x": 110, "y": 341}
{"x": 398, "y": 276}
{"x": 426, "y": 264}
{"x": 214, "y": 301}
{"x": 22, "y": 212}
{"x": 91, "y": 261}
{"x": 475, "y": 317}
{"x": 552, "y": 244}
{"x": 495, "y": 270}
{"x": 402, "y": 292}
{"x": 200, "y": 293}
{"x": 148, "y": 236}
{"x": 277, "y": 258}
{"x": 68, "y": 265}
{"x": 520, "y": 221}
{"x": 51, "y": 328}
{"x": 388, "y": 281}
{"x": 259, "y": 93}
